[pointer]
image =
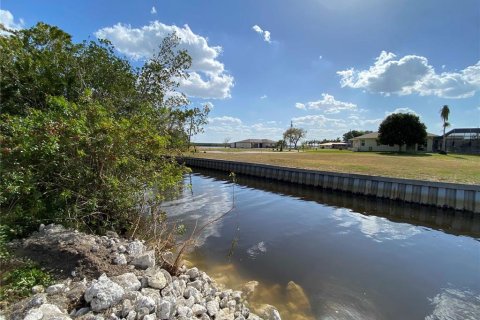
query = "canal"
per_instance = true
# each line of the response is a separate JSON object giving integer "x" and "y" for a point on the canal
{"x": 319, "y": 254}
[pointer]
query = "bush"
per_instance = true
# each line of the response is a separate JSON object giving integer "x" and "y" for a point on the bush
{"x": 18, "y": 282}
{"x": 86, "y": 139}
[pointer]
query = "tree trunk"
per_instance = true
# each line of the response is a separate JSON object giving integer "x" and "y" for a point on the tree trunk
{"x": 443, "y": 139}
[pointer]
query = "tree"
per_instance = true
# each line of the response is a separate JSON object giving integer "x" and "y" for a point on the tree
{"x": 280, "y": 145}
{"x": 402, "y": 129}
{"x": 293, "y": 135}
{"x": 226, "y": 141}
{"x": 86, "y": 139}
{"x": 354, "y": 133}
{"x": 444, "y": 113}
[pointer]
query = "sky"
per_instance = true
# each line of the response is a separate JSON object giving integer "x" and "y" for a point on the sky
{"x": 328, "y": 66}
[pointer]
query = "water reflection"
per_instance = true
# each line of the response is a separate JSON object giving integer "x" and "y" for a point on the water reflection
{"x": 455, "y": 304}
{"x": 326, "y": 255}
{"x": 450, "y": 221}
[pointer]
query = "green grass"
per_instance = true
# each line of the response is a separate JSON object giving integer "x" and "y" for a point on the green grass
{"x": 457, "y": 168}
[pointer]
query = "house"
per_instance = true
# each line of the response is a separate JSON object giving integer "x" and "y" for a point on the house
{"x": 253, "y": 143}
{"x": 368, "y": 142}
{"x": 333, "y": 145}
{"x": 461, "y": 140}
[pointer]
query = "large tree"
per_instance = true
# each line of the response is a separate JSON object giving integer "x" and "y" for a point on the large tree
{"x": 444, "y": 113}
{"x": 86, "y": 138}
{"x": 402, "y": 129}
{"x": 293, "y": 135}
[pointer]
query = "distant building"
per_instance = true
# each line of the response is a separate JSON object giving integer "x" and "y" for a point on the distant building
{"x": 253, "y": 143}
{"x": 333, "y": 145}
{"x": 369, "y": 142}
{"x": 462, "y": 140}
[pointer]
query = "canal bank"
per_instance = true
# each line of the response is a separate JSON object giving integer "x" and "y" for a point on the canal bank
{"x": 439, "y": 194}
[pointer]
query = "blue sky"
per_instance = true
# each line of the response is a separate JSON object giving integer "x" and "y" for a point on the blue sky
{"x": 327, "y": 65}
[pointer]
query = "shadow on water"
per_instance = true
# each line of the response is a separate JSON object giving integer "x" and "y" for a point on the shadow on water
{"x": 446, "y": 220}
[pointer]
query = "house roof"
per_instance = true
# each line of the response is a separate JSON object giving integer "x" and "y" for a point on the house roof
{"x": 255, "y": 141}
{"x": 331, "y": 143}
{"x": 374, "y": 135}
{"x": 463, "y": 130}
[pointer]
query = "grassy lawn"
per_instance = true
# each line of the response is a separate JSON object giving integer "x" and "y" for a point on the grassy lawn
{"x": 434, "y": 167}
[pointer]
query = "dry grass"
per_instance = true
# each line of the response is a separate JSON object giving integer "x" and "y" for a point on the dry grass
{"x": 434, "y": 167}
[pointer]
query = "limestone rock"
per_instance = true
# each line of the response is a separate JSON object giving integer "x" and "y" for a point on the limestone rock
{"x": 198, "y": 310}
{"x": 212, "y": 307}
{"x": 269, "y": 312}
{"x": 144, "y": 260}
{"x": 103, "y": 293}
{"x": 156, "y": 279}
{"x": 164, "y": 310}
{"x": 135, "y": 248}
{"x": 128, "y": 281}
{"x": 57, "y": 288}
{"x": 120, "y": 259}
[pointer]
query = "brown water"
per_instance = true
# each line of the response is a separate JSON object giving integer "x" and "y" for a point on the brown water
{"x": 327, "y": 255}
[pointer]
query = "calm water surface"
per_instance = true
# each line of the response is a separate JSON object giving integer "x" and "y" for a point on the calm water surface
{"x": 355, "y": 257}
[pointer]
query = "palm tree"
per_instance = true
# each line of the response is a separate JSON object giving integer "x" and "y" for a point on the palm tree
{"x": 444, "y": 113}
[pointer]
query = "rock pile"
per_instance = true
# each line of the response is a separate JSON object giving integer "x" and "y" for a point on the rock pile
{"x": 145, "y": 291}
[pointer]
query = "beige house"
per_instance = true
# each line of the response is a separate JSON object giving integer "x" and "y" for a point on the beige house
{"x": 368, "y": 142}
{"x": 253, "y": 143}
{"x": 333, "y": 145}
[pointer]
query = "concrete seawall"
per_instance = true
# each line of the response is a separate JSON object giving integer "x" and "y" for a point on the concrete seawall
{"x": 446, "y": 195}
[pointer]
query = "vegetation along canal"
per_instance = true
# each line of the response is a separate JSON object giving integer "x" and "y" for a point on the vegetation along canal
{"x": 354, "y": 257}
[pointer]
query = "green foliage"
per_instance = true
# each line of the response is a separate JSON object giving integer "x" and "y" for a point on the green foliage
{"x": 354, "y": 133}
{"x": 402, "y": 129}
{"x": 86, "y": 139}
{"x": 280, "y": 145}
{"x": 293, "y": 135}
{"x": 444, "y": 114}
{"x": 4, "y": 253}
{"x": 18, "y": 283}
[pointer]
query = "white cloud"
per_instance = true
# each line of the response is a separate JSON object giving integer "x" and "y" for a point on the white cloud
{"x": 318, "y": 120}
{"x": 402, "y": 110}
{"x": 301, "y": 106}
{"x": 264, "y": 97}
{"x": 264, "y": 33}
{"x": 208, "y": 78}
{"x": 327, "y": 104}
{"x": 412, "y": 74}
{"x": 8, "y": 21}
{"x": 225, "y": 120}
{"x": 153, "y": 11}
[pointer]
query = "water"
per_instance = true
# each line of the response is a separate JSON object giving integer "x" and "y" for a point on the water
{"x": 353, "y": 257}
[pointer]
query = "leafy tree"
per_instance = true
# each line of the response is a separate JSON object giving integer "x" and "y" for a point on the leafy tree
{"x": 444, "y": 113}
{"x": 85, "y": 138}
{"x": 280, "y": 145}
{"x": 354, "y": 133}
{"x": 293, "y": 135}
{"x": 402, "y": 129}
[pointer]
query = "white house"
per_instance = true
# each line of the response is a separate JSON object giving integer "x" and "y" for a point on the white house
{"x": 368, "y": 142}
{"x": 253, "y": 143}
{"x": 333, "y": 145}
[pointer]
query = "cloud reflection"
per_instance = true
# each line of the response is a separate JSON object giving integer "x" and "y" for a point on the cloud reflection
{"x": 201, "y": 208}
{"x": 377, "y": 228}
{"x": 453, "y": 304}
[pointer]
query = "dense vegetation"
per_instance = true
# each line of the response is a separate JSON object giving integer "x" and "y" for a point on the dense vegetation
{"x": 86, "y": 137}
